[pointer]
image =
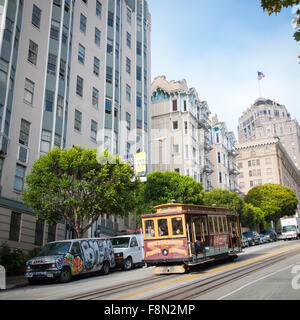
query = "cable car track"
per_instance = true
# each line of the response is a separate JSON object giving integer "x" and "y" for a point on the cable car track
{"x": 205, "y": 286}
{"x": 102, "y": 293}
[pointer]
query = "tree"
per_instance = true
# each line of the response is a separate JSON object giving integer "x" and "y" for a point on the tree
{"x": 274, "y": 200}
{"x": 251, "y": 216}
{"x": 275, "y": 6}
{"x": 224, "y": 198}
{"x": 78, "y": 186}
{"x": 163, "y": 187}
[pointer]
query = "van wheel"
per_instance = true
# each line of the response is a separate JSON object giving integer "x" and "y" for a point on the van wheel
{"x": 128, "y": 264}
{"x": 65, "y": 275}
{"x": 105, "y": 268}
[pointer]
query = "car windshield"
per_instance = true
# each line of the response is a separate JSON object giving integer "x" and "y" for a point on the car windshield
{"x": 120, "y": 242}
{"x": 55, "y": 248}
{"x": 249, "y": 234}
{"x": 288, "y": 228}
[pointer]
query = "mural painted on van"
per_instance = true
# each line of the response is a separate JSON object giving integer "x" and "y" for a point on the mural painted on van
{"x": 93, "y": 254}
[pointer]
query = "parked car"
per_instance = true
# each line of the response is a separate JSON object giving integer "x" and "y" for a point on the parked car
{"x": 61, "y": 260}
{"x": 253, "y": 237}
{"x": 128, "y": 250}
{"x": 245, "y": 242}
{"x": 264, "y": 238}
{"x": 271, "y": 233}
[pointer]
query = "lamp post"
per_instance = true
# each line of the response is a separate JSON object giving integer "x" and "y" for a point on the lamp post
{"x": 161, "y": 140}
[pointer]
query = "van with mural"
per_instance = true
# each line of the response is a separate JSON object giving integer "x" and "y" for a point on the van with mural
{"x": 61, "y": 260}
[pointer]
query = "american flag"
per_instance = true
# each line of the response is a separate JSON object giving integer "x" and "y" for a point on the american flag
{"x": 260, "y": 75}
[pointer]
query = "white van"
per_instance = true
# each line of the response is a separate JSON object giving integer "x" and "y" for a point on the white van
{"x": 129, "y": 250}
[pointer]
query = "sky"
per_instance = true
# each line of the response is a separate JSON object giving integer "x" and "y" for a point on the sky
{"x": 218, "y": 46}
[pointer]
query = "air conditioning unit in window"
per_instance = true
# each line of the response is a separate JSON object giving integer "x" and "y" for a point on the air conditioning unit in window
{"x": 23, "y": 154}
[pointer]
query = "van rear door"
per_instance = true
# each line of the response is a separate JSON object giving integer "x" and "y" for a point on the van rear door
{"x": 135, "y": 250}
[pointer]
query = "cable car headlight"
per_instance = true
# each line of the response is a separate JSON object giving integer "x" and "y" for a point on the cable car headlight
{"x": 165, "y": 252}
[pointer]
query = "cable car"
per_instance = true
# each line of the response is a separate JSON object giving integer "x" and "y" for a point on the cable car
{"x": 179, "y": 236}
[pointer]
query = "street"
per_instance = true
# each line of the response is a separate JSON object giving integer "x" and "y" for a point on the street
{"x": 265, "y": 272}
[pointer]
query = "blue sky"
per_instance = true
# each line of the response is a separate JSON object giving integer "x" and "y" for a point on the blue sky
{"x": 219, "y": 45}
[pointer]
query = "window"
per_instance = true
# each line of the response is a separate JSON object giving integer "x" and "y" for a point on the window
{"x": 98, "y": 9}
{"x": 54, "y": 32}
{"x": 110, "y": 20}
{"x": 129, "y": 13}
{"x": 128, "y": 39}
{"x": 45, "y": 141}
{"x": 139, "y": 48}
{"x": 82, "y": 23}
{"x": 175, "y": 148}
{"x": 62, "y": 69}
{"x": 139, "y": 99}
{"x": 24, "y": 132}
{"x": 174, "y": 103}
{"x": 39, "y": 232}
{"x": 128, "y": 65}
{"x": 217, "y": 138}
{"x": 138, "y": 73}
{"x": 128, "y": 121}
{"x": 186, "y": 151}
{"x": 177, "y": 226}
{"x": 78, "y": 120}
{"x": 57, "y": 3}
{"x": 149, "y": 229}
{"x": 28, "y": 91}
{"x": 94, "y": 129}
{"x": 184, "y": 105}
{"x": 109, "y": 74}
{"x": 216, "y": 224}
{"x": 220, "y": 177}
{"x": 96, "y": 66}
{"x": 15, "y": 225}
{"x": 65, "y": 34}
{"x": 97, "y": 36}
{"x": 128, "y": 93}
{"x": 117, "y": 75}
{"x": 60, "y": 106}
{"x": 219, "y": 157}
{"x": 79, "y": 86}
{"x": 49, "y": 100}
{"x": 163, "y": 227}
{"x": 175, "y": 125}
{"x": 32, "y": 52}
{"x": 81, "y": 53}
{"x": 139, "y": 124}
{"x": 211, "y": 225}
{"x": 36, "y": 16}
{"x": 269, "y": 171}
{"x": 185, "y": 127}
{"x": 52, "y": 61}
{"x": 95, "y": 97}
{"x": 108, "y": 106}
{"x": 57, "y": 140}
{"x": 220, "y": 220}
{"x": 249, "y": 163}
{"x": 110, "y": 46}
{"x": 19, "y": 178}
{"x": 9, "y": 26}
{"x": 268, "y": 161}
{"x": 51, "y": 233}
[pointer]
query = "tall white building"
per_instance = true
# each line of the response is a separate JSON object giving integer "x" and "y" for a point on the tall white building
{"x": 71, "y": 73}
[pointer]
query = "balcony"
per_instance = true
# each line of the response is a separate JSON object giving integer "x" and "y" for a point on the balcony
{"x": 207, "y": 144}
{"x": 232, "y": 152}
{"x": 233, "y": 170}
{"x": 208, "y": 167}
{"x": 203, "y": 123}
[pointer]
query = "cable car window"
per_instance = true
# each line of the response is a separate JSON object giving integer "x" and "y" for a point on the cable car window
{"x": 225, "y": 224}
{"x": 163, "y": 227}
{"x": 221, "y": 224}
{"x": 149, "y": 229}
{"x": 211, "y": 224}
{"x": 177, "y": 226}
{"x": 216, "y": 225}
{"x": 204, "y": 225}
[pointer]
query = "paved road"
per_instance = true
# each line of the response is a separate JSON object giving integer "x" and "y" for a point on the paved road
{"x": 269, "y": 271}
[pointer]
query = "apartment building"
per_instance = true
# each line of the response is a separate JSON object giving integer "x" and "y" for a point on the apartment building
{"x": 180, "y": 130}
{"x": 71, "y": 73}
{"x": 266, "y": 161}
{"x": 267, "y": 119}
{"x": 223, "y": 157}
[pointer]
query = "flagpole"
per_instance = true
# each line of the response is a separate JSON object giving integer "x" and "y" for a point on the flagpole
{"x": 259, "y": 89}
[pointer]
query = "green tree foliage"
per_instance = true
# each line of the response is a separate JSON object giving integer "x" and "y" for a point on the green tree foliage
{"x": 224, "y": 198}
{"x": 79, "y": 186}
{"x": 163, "y": 187}
{"x": 274, "y": 200}
{"x": 251, "y": 216}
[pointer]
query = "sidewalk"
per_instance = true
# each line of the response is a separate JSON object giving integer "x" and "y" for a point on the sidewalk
{"x": 16, "y": 282}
